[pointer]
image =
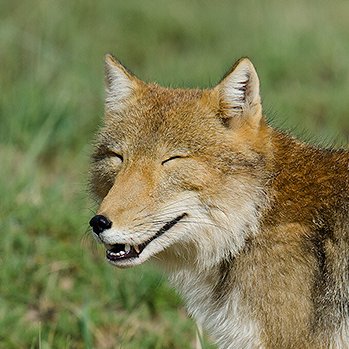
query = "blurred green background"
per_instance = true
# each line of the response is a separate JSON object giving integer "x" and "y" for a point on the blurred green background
{"x": 56, "y": 291}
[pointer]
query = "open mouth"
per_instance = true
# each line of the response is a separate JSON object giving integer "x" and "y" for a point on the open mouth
{"x": 118, "y": 252}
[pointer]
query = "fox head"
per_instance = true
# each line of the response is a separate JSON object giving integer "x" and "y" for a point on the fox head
{"x": 179, "y": 173}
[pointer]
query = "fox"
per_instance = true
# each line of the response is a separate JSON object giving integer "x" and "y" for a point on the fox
{"x": 250, "y": 223}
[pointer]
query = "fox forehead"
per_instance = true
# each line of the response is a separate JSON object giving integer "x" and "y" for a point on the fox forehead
{"x": 169, "y": 118}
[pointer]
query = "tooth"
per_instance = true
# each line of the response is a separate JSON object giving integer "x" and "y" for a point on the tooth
{"x": 122, "y": 253}
{"x": 137, "y": 249}
{"x": 127, "y": 248}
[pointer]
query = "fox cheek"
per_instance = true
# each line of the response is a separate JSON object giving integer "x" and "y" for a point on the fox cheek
{"x": 192, "y": 180}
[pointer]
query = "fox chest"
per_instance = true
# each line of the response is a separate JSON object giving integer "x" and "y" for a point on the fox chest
{"x": 228, "y": 323}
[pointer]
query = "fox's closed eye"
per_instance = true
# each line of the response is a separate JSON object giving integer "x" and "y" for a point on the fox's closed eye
{"x": 116, "y": 156}
{"x": 172, "y": 158}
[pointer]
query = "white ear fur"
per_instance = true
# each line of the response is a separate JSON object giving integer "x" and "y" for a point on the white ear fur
{"x": 239, "y": 90}
{"x": 119, "y": 83}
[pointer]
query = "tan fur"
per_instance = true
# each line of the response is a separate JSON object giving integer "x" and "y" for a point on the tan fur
{"x": 251, "y": 224}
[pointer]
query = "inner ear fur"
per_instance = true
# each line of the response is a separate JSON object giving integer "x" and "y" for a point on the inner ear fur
{"x": 239, "y": 93}
{"x": 120, "y": 83}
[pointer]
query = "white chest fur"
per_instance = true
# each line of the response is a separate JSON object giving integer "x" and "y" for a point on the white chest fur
{"x": 229, "y": 324}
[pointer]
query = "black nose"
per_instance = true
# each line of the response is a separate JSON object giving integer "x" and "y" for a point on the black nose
{"x": 100, "y": 223}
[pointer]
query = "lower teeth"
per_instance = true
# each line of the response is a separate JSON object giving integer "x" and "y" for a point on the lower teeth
{"x": 115, "y": 252}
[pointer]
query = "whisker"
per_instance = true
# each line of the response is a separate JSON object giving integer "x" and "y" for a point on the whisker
{"x": 173, "y": 212}
{"x": 87, "y": 240}
{"x": 176, "y": 202}
{"x": 160, "y": 217}
{"x": 207, "y": 223}
{"x": 166, "y": 211}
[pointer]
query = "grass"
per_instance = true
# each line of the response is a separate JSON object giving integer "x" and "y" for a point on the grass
{"x": 55, "y": 289}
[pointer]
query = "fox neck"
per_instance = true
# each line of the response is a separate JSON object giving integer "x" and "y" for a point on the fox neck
{"x": 221, "y": 312}
{"x": 231, "y": 289}
{"x": 301, "y": 174}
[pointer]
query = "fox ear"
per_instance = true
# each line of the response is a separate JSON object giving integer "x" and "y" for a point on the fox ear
{"x": 119, "y": 83}
{"x": 239, "y": 90}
